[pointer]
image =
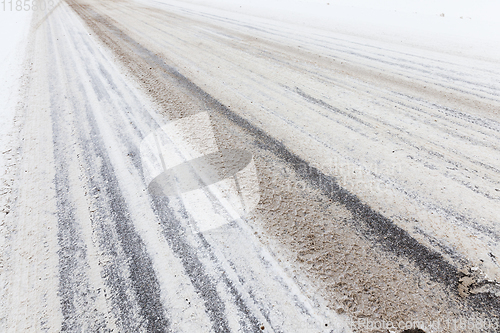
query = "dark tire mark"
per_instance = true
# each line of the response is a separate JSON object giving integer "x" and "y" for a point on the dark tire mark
{"x": 77, "y": 298}
{"x": 204, "y": 285}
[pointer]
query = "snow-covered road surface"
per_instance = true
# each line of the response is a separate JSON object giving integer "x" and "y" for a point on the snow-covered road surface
{"x": 367, "y": 181}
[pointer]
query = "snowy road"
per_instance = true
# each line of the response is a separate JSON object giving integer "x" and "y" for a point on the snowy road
{"x": 367, "y": 181}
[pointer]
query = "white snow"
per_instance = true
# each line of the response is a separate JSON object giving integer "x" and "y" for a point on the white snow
{"x": 13, "y": 32}
{"x": 468, "y": 27}
{"x": 14, "y": 27}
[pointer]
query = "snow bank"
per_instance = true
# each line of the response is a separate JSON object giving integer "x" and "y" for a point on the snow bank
{"x": 14, "y": 28}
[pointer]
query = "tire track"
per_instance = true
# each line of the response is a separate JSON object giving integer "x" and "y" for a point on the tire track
{"x": 129, "y": 270}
